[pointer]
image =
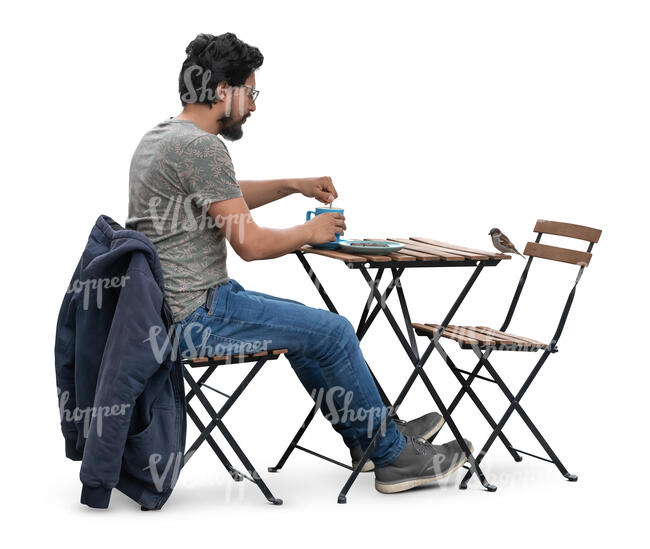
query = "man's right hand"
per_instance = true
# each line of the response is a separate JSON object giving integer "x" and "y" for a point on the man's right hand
{"x": 325, "y": 226}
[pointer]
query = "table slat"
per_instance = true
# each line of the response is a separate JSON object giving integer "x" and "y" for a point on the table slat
{"x": 399, "y": 256}
{"x": 495, "y": 255}
{"x": 409, "y": 255}
{"x": 415, "y": 246}
{"x": 377, "y": 258}
{"x": 420, "y": 256}
{"x": 335, "y": 254}
{"x": 468, "y": 255}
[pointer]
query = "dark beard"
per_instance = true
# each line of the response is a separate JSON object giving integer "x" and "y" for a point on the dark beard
{"x": 232, "y": 133}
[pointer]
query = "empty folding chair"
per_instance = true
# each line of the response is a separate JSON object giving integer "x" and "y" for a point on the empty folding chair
{"x": 483, "y": 341}
{"x": 216, "y": 416}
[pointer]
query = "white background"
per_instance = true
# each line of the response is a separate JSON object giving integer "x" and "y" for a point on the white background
{"x": 437, "y": 119}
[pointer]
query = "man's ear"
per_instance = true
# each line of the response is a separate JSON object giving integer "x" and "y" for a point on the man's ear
{"x": 222, "y": 90}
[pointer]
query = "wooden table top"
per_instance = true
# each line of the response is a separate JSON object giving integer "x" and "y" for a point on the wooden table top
{"x": 417, "y": 248}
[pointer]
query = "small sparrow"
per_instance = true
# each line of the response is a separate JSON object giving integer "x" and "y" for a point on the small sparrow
{"x": 502, "y": 242}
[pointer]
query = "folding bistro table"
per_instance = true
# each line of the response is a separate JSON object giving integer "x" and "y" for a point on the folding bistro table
{"x": 418, "y": 252}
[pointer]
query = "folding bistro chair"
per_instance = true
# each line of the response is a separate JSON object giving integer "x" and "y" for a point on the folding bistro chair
{"x": 216, "y": 417}
{"x": 483, "y": 340}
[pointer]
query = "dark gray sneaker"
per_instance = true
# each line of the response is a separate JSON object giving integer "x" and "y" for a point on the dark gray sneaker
{"x": 422, "y": 427}
{"x": 420, "y": 463}
{"x": 356, "y": 454}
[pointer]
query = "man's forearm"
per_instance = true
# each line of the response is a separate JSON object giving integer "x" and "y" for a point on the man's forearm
{"x": 258, "y": 193}
{"x": 271, "y": 243}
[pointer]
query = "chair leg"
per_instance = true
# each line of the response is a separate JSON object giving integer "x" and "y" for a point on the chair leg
{"x": 254, "y": 475}
{"x": 234, "y": 473}
{"x": 217, "y": 421}
{"x": 524, "y": 416}
{"x": 514, "y": 405}
{"x": 547, "y": 448}
{"x": 202, "y": 379}
{"x": 470, "y": 392}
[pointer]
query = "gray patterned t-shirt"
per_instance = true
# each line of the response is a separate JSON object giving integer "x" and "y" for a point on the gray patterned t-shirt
{"x": 176, "y": 172}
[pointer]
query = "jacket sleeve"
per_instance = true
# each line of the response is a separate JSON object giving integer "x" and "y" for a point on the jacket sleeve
{"x": 136, "y": 347}
{"x": 64, "y": 363}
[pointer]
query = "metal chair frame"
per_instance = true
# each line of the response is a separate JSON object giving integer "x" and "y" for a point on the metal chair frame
{"x": 216, "y": 416}
{"x": 483, "y": 352}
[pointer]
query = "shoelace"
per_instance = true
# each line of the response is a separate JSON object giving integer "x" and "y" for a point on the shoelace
{"x": 421, "y": 447}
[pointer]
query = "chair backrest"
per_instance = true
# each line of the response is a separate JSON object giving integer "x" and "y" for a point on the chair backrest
{"x": 566, "y": 255}
{"x": 554, "y": 253}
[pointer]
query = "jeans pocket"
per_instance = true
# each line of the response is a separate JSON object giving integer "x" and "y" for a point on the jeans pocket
{"x": 220, "y": 300}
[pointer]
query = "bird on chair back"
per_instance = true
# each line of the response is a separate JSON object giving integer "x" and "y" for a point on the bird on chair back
{"x": 502, "y": 242}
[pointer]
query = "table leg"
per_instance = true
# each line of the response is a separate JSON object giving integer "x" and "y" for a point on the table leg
{"x": 418, "y": 364}
{"x": 410, "y": 347}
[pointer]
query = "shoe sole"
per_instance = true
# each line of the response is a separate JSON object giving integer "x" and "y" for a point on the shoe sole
{"x": 370, "y": 466}
{"x": 434, "y": 429}
{"x": 367, "y": 466}
{"x": 403, "y": 485}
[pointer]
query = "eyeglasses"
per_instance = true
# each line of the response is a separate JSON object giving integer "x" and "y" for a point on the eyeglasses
{"x": 252, "y": 93}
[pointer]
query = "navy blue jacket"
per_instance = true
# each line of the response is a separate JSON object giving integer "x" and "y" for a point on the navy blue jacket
{"x": 120, "y": 386}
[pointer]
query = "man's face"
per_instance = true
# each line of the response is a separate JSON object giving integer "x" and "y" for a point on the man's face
{"x": 240, "y": 106}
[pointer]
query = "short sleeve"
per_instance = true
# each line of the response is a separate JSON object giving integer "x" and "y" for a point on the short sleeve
{"x": 206, "y": 172}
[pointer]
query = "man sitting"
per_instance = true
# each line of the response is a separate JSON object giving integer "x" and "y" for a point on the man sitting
{"x": 184, "y": 196}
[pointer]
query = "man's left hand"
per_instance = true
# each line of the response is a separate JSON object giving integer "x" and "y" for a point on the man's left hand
{"x": 320, "y": 188}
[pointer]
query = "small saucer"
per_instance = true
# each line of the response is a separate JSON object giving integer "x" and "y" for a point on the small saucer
{"x": 370, "y": 247}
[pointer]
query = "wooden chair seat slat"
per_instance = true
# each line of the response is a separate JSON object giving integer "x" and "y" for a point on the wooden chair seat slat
{"x": 467, "y": 331}
{"x": 501, "y": 337}
{"x": 521, "y": 338}
{"x": 492, "y": 336}
{"x": 479, "y": 335}
{"x": 236, "y": 358}
{"x": 461, "y": 334}
{"x": 430, "y": 329}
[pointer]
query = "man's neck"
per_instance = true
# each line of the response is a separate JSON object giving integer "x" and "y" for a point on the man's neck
{"x": 201, "y": 118}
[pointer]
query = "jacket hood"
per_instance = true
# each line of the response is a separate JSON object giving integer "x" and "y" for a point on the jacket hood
{"x": 109, "y": 242}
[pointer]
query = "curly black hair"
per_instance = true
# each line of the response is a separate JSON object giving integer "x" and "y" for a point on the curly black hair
{"x": 211, "y": 59}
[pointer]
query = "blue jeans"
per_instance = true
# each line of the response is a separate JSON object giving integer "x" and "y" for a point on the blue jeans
{"x": 323, "y": 350}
